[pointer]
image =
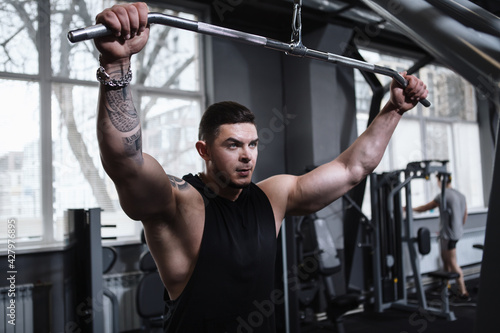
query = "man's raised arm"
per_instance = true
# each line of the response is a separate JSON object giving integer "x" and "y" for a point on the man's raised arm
{"x": 143, "y": 187}
{"x": 301, "y": 195}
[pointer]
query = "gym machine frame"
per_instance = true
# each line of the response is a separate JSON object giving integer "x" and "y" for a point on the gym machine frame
{"x": 92, "y": 260}
{"x": 295, "y": 47}
{"x": 388, "y": 268}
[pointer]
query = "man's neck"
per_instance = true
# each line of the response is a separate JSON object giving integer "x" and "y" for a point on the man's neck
{"x": 222, "y": 189}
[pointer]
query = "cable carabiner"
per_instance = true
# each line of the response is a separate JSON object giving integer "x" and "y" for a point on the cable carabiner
{"x": 296, "y": 37}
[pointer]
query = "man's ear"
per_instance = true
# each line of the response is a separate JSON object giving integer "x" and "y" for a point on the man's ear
{"x": 202, "y": 148}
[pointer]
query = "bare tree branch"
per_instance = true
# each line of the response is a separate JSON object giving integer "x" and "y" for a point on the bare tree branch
{"x": 5, "y": 43}
{"x": 64, "y": 95}
{"x": 172, "y": 78}
{"x": 145, "y": 70}
{"x": 27, "y": 20}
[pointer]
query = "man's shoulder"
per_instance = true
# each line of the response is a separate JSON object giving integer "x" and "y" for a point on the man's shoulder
{"x": 276, "y": 185}
{"x": 186, "y": 190}
{"x": 457, "y": 192}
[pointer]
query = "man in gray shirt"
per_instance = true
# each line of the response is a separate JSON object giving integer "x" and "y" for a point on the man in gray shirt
{"x": 451, "y": 228}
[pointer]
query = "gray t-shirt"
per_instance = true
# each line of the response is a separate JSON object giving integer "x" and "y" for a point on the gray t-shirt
{"x": 452, "y": 227}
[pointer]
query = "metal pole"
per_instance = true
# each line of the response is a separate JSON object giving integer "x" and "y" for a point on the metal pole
{"x": 295, "y": 49}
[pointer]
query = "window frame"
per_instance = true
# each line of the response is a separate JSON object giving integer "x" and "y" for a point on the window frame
{"x": 418, "y": 115}
{"x": 46, "y": 81}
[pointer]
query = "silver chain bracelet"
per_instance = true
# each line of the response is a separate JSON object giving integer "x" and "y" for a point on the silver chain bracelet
{"x": 107, "y": 81}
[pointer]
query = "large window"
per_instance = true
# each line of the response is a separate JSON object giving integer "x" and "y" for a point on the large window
{"x": 447, "y": 130}
{"x": 49, "y": 156}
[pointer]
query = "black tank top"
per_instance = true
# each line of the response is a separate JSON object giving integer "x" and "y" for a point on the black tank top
{"x": 232, "y": 286}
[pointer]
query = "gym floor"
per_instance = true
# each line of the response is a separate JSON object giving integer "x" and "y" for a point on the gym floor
{"x": 399, "y": 321}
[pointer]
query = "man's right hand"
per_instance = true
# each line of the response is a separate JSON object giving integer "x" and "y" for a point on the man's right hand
{"x": 129, "y": 23}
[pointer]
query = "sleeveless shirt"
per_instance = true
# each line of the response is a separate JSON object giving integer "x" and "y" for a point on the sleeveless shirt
{"x": 231, "y": 287}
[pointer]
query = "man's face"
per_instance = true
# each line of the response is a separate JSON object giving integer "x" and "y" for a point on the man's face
{"x": 233, "y": 154}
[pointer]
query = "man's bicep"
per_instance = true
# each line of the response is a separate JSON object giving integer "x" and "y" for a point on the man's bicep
{"x": 320, "y": 187}
{"x": 149, "y": 191}
{"x": 299, "y": 195}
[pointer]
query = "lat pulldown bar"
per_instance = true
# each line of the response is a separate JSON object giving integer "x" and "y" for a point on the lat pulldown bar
{"x": 293, "y": 48}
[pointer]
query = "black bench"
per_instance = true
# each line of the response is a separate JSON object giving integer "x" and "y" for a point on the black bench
{"x": 444, "y": 277}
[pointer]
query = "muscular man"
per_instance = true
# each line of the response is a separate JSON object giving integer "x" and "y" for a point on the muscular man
{"x": 213, "y": 235}
{"x": 450, "y": 229}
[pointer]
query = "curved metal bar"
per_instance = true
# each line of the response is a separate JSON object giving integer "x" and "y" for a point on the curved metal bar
{"x": 296, "y": 49}
{"x": 470, "y": 53}
{"x": 470, "y": 14}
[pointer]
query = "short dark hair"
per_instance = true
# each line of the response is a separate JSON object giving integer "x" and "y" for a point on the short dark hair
{"x": 221, "y": 113}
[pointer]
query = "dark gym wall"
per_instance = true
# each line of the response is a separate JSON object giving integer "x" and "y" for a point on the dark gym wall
{"x": 314, "y": 99}
{"x": 322, "y": 97}
{"x": 252, "y": 76}
{"x": 487, "y": 314}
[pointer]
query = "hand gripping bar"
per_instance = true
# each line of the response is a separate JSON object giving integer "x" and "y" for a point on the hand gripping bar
{"x": 294, "y": 48}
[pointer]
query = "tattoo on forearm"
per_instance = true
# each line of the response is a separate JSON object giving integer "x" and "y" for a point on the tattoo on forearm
{"x": 181, "y": 184}
{"x": 134, "y": 139}
{"x": 133, "y": 143}
{"x": 121, "y": 110}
